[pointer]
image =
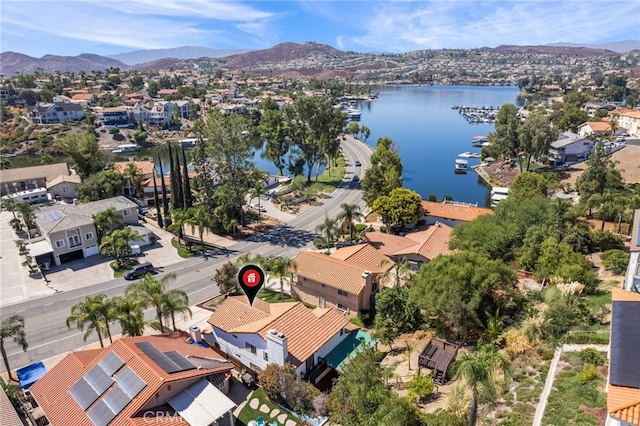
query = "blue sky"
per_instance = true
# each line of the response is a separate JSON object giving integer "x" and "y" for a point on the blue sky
{"x": 71, "y": 27}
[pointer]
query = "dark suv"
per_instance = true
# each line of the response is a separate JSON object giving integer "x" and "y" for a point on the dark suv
{"x": 138, "y": 271}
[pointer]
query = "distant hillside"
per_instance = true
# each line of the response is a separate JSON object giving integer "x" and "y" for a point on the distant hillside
{"x": 622, "y": 46}
{"x": 12, "y": 63}
{"x": 160, "y": 64}
{"x": 554, "y": 50}
{"x": 279, "y": 53}
{"x": 183, "y": 52}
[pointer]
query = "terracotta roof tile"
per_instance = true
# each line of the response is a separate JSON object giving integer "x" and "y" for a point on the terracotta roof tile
{"x": 388, "y": 244}
{"x": 145, "y": 168}
{"x": 620, "y": 295}
{"x": 433, "y": 241}
{"x": 59, "y": 405}
{"x": 453, "y": 211}
{"x": 331, "y": 271}
{"x": 365, "y": 256}
{"x": 624, "y": 403}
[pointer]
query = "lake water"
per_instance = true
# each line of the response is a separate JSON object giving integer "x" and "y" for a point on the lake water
{"x": 430, "y": 134}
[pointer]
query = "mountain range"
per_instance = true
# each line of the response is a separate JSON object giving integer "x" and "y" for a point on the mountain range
{"x": 154, "y": 60}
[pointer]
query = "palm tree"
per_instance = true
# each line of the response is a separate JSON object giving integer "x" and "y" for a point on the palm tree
{"x": 94, "y": 314}
{"x": 12, "y": 327}
{"x": 327, "y": 228}
{"x": 116, "y": 244}
{"x": 26, "y": 211}
{"x": 400, "y": 271}
{"x": 280, "y": 267}
{"x": 179, "y": 217}
{"x": 176, "y": 302}
{"x": 151, "y": 291}
{"x": 480, "y": 370}
{"x": 199, "y": 217}
{"x": 108, "y": 220}
{"x": 9, "y": 204}
{"x": 130, "y": 314}
{"x": 349, "y": 213}
{"x": 133, "y": 175}
{"x": 257, "y": 191}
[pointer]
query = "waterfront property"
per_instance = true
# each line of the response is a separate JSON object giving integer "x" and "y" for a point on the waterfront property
{"x": 451, "y": 213}
{"x": 57, "y": 112}
{"x": 266, "y": 333}
{"x": 64, "y": 187}
{"x": 28, "y": 178}
{"x": 570, "y": 148}
{"x": 137, "y": 380}
{"x": 113, "y": 116}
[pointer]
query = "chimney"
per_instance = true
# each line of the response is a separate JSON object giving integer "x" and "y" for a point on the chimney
{"x": 277, "y": 349}
{"x": 196, "y": 334}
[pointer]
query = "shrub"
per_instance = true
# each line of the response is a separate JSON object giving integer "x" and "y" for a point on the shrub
{"x": 420, "y": 387}
{"x": 591, "y": 356}
{"x": 588, "y": 374}
{"x": 615, "y": 260}
{"x": 365, "y": 317}
{"x": 545, "y": 353}
{"x": 114, "y": 130}
{"x": 359, "y": 227}
{"x": 605, "y": 240}
{"x": 357, "y": 321}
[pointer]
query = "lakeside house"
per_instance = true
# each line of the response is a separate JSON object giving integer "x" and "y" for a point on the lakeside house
{"x": 64, "y": 187}
{"x": 570, "y": 148}
{"x": 265, "y": 333}
{"x": 113, "y": 116}
{"x": 600, "y": 128}
{"x": 145, "y": 380}
{"x": 451, "y": 213}
{"x": 56, "y": 112}
{"x": 20, "y": 179}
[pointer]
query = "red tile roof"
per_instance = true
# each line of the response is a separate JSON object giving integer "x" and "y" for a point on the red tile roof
{"x": 365, "y": 256}
{"x": 61, "y": 408}
{"x": 306, "y": 329}
{"x": 451, "y": 211}
{"x": 428, "y": 243}
{"x": 331, "y": 271}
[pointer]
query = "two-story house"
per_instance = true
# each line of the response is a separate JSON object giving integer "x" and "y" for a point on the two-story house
{"x": 280, "y": 333}
{"x": 113, "y": 116}
{"x": 20, "y": 179}
{"x": 70, "y": 233}
{"x": 451, "y": 213}
{"x": 60, "y": 112}
{"x": 629, "y": 119}
{"x": 570, "y": 148}
{"x": 145, "y": 380}
{"x": 347, "y": 280}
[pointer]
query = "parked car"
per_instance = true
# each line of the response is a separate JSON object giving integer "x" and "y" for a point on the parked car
{"x": 358, "y": 164}
{"x": 138, "y": 271}
{"x": 355, "y": 178}
{"x": 259, "y": 208}
{"x": 620, "y": 138}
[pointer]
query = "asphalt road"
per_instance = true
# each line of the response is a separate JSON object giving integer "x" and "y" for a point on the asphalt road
{"x": 45, "y": 317}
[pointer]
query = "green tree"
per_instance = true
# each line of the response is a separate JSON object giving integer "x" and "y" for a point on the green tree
{"x": 178, "y": 220}
{"x": 130, "y": 314}
{"x": 9, "y": 204}
{"x": 134, "y": 176}
{"x": 557, "y": 259}
{"x": 166, "y": 219}
{"x": 328, "y": 229}
{"x": 401, "y": 206}
{"x": 108, "y": 220}
{"x": 528, "y": 185}
{"x": 385, "y": 173}
{"x": 459, "y": 289}
{"x": 396, "y": 313}
{"x": 94, "y": 313}
{"x": 273, "y": 129}
{"x": 353, "y": 128}
{"x": 101, "y": 185}
{"x": 487, "y": 235}
{"x": 176, "y": 303}
{"x": 505, "y": 137}
{"x": 280, "y": 268}
{"x": 153, "y": 292}
{"x": 481, "y": 371}
{"x": 615, "y": 260}
{"x": 84, "y": 150}
{"x": 349, "y": 214}
{"x": 186, "y": 185}
{"x": 420, "y": 387}
{"x": 535, "y": 136}
{"x": 116, "y": 244}
{"x": 572, "y": 118}
{"x": 227, "y": 278}
{"x": 26, "y": 212}
{"x": 199, "y": 217}
{"x": 12, "y": 328}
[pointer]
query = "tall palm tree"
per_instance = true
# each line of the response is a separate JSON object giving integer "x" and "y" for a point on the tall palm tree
{"x": 257, "y": 191}
{"x": 12, "y": 327}
{"x": 108, "y": 220}
{"x": 327, "y": 229}
{"x": 179, "y": 218}
{"x": 134, "y": 176}
{"x": 130, "y": 314}
{"x": 280, "y": 267}
{"x": 26, "y": 211}
{"x": 176, "y": 302}
{"x": 93, "y": 315}
{"x": 151, "y": 291}
{"x": 199, "y": 217}
{"x": 349, "y": 213}
{"x": 9, "y": 204}
{"x": 481, "y": 370}
{"x": 116, "y": 244}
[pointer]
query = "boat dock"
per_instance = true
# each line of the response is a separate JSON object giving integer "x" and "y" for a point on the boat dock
{"x": 477, "y": 114}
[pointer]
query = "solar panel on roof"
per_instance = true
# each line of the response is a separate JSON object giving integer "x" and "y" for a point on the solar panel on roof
{"x": 116, "y": 399}
{"x": 98, "y": 379}
{"x": 111, "y": 363}
{"x": 158, "y": 357}
{"x": 101, "y": 414}
{"x": 130, "y": 382}
{"x": 83, "y": 393}
{"x": 53, "y": 216}
{"x": 181, "y": 361}
{"x": 624, "y": 369}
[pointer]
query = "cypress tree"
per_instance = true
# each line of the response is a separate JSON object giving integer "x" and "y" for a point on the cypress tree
{"x": 186, "y": 187}
{"x": 172, "y": 179}
{"x": 165, "y": 200}
{"x": 179, "y": 193}
{"x": 156, "y": 201}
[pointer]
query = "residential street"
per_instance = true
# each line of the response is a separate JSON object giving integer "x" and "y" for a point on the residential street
{"x": 45, "y": 316}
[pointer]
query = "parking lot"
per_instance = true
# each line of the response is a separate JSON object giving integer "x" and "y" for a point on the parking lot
{"x": 17, "y": 285}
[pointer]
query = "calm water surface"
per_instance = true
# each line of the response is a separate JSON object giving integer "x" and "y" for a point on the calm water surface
{"x": 430, "y": 134}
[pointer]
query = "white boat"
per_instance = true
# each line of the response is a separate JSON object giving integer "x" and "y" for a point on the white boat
{"x": 478, "y": 140}
{"x": 353, "y": 114}
{"x": 461, "y": 165}
{"x": 123, "y": 149}
{"x": 469, "y": 155}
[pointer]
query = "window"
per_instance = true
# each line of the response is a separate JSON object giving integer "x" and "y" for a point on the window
{"x": 342, "y": 293}
{"x": 59, "y": 243}
{"x": 249, "y": 347}
{"x": 88, "y": 236}
{"x": 343, "y": 308}
{"x": 265, "y": 356}
{"x": 127, "y": 212}
{"x": 73, "y": 236}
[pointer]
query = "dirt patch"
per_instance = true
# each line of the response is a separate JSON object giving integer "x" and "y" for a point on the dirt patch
{"x": 501, "y": 173}
{"x": 626, "y": 161}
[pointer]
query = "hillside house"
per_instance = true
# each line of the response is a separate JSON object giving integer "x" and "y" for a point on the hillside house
{"x": 629, "y": 119}
{"x": 570, "y": 148}
{"x": 113, "y": 116}
{"x": 58, "y": 112}
{"x": 451, "y": 213}
{"x": 20, "y": 179}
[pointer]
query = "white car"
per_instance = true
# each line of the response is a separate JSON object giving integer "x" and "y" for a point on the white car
{"x": 259, "y": 208}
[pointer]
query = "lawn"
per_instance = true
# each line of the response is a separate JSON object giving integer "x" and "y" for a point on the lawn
{"x": 118, "y": 271}
{"x": 274, "y": 296}
{"x": 184, "y": 252}
{"x": 247, "y": 414}
{"x": 331, "y": 178}
{"x": 578, "y": 395}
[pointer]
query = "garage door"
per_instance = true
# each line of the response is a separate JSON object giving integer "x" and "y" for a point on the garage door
{"x": 72, "y": 255}
{"x": 91, "y": 250}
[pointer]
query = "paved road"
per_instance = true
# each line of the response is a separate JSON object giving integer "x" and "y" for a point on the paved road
{"x": 45, "y": 317}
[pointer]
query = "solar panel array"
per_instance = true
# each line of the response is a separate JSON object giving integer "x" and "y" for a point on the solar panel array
{"x": 53, "y": 216}
{"x": 170, "y": 362}
{"x": 624, "y": 369}
{"x": 96, "y": 381}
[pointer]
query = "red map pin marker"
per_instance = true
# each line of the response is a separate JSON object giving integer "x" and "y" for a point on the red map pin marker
{"x": 251, "y": 280}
